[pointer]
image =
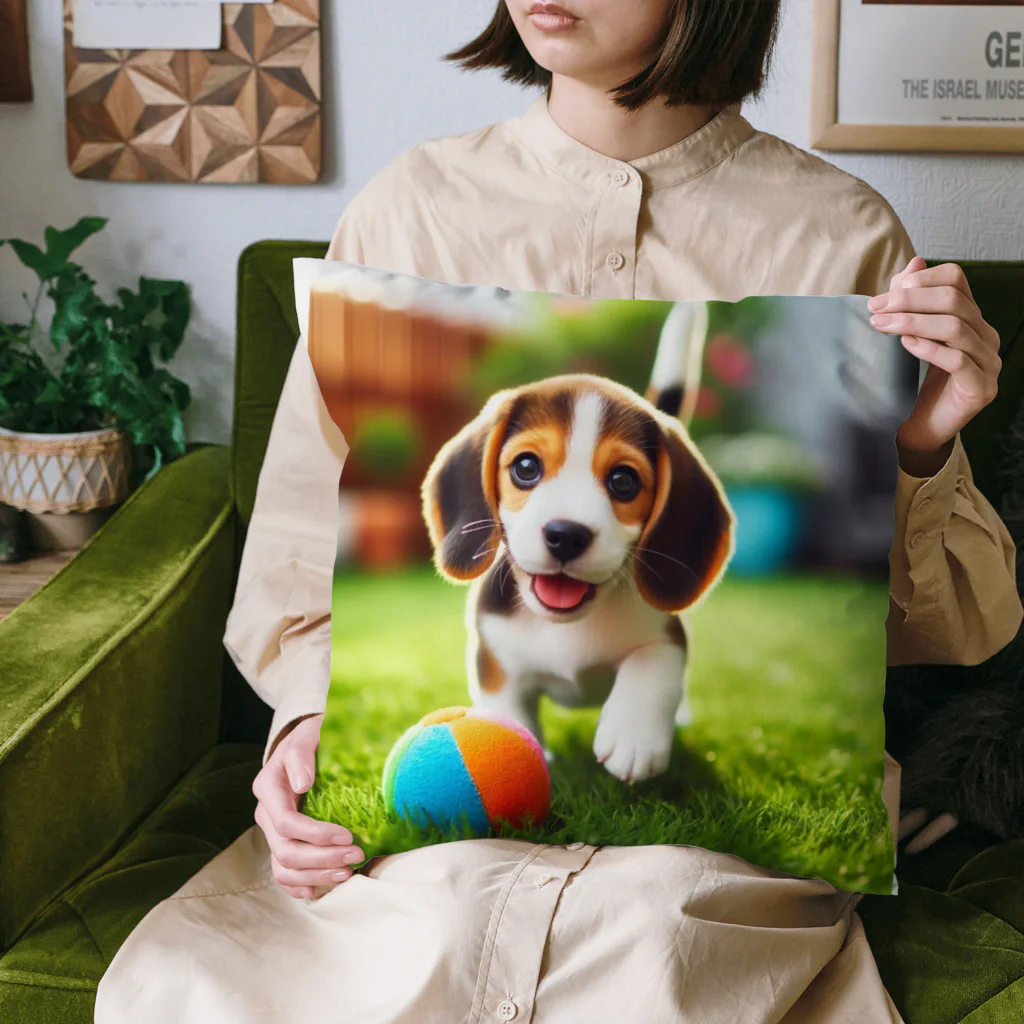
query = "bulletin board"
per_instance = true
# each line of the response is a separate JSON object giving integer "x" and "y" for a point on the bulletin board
{"x": 248, "y": 112}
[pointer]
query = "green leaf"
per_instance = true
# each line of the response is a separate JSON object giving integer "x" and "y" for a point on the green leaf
{"x": 61, "y": 244}
{"x": 30, "y": 255}
{"x": 72, "y": 314}
{"x": 177, "y": 308}
{"x": 51, "y": 393}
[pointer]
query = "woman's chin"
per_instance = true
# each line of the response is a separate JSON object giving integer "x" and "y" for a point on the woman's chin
{"x": 566, "y": 57}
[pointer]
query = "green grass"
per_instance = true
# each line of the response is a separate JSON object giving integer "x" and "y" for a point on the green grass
{"x": 782, "y": 766}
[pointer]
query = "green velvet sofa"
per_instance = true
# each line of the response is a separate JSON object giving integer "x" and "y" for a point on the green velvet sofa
{"x": 128, "y": 741}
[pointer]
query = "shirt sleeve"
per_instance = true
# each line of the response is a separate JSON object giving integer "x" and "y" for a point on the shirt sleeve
{"x": 953, "y": 589}
{"x": 278, "y": 631}
{"x": 952, "y": 571}
{"x": 886, "y": 246}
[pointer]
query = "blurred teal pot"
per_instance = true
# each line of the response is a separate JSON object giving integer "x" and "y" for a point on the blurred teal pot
{"x": 768, "y": 525}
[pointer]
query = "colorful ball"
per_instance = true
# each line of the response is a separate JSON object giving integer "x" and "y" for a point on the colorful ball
{"x": 465, "y": 762}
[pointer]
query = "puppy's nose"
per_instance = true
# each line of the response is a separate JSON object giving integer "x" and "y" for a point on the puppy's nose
{"x": 567, "y": 540}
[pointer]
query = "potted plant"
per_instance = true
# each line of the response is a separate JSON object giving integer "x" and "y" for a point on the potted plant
{"x": 387, "y": 517}
{"x": 93, "y": 413}
{"x": 767, "y": 478}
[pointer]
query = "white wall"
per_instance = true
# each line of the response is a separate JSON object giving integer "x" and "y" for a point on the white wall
{"x": 385, "y": 90}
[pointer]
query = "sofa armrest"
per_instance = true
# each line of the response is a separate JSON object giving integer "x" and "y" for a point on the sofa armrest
{"x": 110, "y": 681}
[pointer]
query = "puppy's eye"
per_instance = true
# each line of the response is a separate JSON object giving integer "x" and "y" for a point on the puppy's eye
{"x": 526, "y": 470}
{"x": 623, "y": 483}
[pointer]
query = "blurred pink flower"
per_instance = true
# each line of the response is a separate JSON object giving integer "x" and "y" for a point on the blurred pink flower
{"x": 709, "y": 403}
{"x": 728, "y": 359}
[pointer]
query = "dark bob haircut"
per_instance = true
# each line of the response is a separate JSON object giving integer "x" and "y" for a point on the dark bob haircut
{"x": 715, "y": 52}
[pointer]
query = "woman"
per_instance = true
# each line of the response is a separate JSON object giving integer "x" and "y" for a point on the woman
{"x": 635, "y": 176}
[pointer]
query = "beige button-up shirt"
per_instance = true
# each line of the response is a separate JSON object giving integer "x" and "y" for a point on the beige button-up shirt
{"x": 500, "y": 930}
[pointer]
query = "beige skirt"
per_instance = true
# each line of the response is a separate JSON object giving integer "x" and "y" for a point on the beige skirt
{"x": 500, "y": 930}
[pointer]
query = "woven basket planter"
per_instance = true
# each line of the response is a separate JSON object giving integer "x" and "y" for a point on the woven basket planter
{"x": 63, "y": 473}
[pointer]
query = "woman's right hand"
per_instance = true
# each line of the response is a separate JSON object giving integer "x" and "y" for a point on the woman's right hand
{"x": 308, "y": 857}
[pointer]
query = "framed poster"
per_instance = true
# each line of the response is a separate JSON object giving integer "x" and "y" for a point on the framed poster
{"x": 918, "y": 75}
{"x": 15, "y": 80}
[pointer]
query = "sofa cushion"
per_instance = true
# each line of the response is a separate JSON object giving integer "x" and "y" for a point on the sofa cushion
{"x": 110, "y": 682}
{"x": 267, "y": 331}
{"x": 950, "y": 946}
{"x": 51, "y": 973}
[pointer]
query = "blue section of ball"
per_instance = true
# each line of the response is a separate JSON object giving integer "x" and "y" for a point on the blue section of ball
{"x": 432, "y": 782}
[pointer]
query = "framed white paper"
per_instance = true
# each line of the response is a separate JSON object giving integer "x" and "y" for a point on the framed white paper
{"x": 147, "y": 25}
{"x": 918, "y": 75}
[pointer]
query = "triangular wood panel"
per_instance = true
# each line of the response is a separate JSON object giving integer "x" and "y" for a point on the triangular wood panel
{"x": 249, "y": 112}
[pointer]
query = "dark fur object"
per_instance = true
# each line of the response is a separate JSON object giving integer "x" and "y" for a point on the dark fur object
{"x": 959, "y": 732}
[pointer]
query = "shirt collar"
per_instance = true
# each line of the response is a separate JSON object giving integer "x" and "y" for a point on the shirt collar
{"x": 680, "y": 162}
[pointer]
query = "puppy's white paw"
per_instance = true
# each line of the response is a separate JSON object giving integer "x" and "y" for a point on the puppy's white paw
{"x": 633, "y": 746}
{"x": 684, "y": 716}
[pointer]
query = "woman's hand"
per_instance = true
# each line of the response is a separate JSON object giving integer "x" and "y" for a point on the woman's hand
{"x": 933, "y": 311}
{"x": 306, "y": 855}
{"x": 929, "y": 830}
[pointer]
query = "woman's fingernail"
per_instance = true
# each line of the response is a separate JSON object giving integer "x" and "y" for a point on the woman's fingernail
{"x": 881, "y": 320}
{"x": 879, "y": 302}
{"x": 353, "y": 857}
{"x": 340, "y": 876}
{"x": 342, "y": 839}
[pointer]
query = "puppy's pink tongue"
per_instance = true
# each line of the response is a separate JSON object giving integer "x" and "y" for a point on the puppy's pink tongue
{"x": 560, "y": 591}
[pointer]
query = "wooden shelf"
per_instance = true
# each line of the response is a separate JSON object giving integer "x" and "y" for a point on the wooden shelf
{"x": 20, "y": 581}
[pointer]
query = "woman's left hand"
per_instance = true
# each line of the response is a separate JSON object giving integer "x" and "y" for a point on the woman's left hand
{"x": 934, "y": 312}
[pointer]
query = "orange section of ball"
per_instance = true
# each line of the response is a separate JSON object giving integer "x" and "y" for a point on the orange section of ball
{"x": 511, "y": 777}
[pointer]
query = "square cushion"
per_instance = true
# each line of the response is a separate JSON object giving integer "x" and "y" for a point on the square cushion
{"x": 737, "y": 469}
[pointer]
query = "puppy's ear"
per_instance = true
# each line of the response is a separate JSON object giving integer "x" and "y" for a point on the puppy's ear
{"x": 689, "y": 536}
{"x": 460, "y": 502}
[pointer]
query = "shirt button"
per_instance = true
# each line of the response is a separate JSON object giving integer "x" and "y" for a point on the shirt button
{"x": 507, "y": 1010}
{"x": 616, "y": 260}
{"x": 620, "y": 177}
{"x": 575, "y": 846}
{"x": 917, "y": 540}
{"x": 542, "y": 880}
{"x": 924, "y": 503}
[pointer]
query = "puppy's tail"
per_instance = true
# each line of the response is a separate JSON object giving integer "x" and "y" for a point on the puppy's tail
{"x": 675, "y": 379}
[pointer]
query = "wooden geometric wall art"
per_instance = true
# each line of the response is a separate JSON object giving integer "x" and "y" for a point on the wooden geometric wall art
{"x": 248, "y": 112}
{"x": 15, "y": 79}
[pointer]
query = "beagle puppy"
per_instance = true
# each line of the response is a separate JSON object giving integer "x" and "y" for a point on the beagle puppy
{"x": 586, "y": 520}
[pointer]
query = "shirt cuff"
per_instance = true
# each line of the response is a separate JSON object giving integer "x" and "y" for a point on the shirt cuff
{"x": 286, "y": 716}
{"x": 308, "y": 681}
{"x": 924, "y": 507}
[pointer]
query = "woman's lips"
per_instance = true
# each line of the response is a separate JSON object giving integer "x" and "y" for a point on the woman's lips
{"x": 551, "y": 18}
